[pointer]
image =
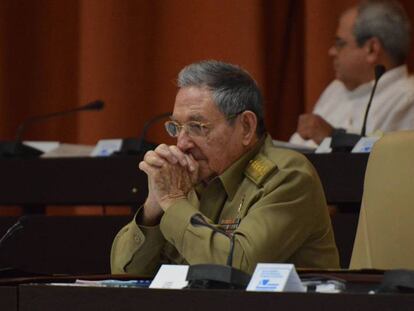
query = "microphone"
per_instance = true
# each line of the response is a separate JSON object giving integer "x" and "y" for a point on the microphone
{"x": 342, "y": 141}
{"x": 12, "y": 271}
{"x": 214, "y": 275}
{"x": 19, "y": 225}
{"x": 139, "y": 145}
{"x": 148, "y": 125}
{"x": 17, "y": 149}
{"x": 197, "y": 220}
{"x": 379, "y": 71}
{"x": 95, "y": 105}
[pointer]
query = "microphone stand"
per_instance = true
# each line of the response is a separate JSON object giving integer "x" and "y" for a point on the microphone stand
{"x": 214, "y": 275}
{"x": 10, "y": 271}
{"x": 138, "y": 146}
{"x": 342, "y": 141}
{"x": 379, "y": 71}
{"x": 17, "y": 149}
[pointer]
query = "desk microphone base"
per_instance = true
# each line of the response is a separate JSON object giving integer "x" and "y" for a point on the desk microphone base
{"x": 217, "y": 277}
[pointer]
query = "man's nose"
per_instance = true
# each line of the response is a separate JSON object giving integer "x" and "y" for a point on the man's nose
{"x": 184, "y": 141}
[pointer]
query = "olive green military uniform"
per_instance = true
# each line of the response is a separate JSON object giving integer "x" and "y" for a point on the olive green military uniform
{"x": 271, "y": 199}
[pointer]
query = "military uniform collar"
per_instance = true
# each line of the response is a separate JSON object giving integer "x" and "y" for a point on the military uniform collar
{"x": 233, "y": 175}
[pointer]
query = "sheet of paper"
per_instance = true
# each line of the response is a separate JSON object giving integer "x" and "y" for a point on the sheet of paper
{"x": 69, "y": 150}
{"x": 44, "y": 146}
{"x": 288, "y": 145}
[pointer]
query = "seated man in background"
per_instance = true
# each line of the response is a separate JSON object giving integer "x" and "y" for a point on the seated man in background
{"x": 225, "y": 171}
{"x": 372, "y": 33}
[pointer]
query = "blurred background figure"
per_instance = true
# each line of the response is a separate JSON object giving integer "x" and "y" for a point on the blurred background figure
{"x": 371, "y": 33}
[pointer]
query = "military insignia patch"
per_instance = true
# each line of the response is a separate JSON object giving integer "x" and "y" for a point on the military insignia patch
{"x": 259, "y": 169}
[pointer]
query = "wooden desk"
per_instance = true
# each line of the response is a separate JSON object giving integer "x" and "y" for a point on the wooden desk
{"x": 342, "y": 175}
{"x": 8, "y": 298}
{"x": 117, "y": 181}
{"x": 73, "y": 245}
{"x": 43, "y": 298}
{"x": 72, "y": 181}
{"x": 61, "y": 245}
{"x": 25, "y": 295}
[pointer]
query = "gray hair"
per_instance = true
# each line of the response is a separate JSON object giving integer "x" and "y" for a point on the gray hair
{"x": 387, "y": 21}
{"x": 233, "y": 89}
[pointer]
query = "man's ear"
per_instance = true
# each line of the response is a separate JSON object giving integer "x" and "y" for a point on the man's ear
{"x": 248, "y": 121}
{"x": 374, "y": 50}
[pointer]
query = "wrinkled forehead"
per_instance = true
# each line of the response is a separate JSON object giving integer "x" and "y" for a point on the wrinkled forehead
{"x": 195, "y": 104}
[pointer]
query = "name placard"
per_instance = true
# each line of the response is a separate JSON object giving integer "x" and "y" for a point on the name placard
{"x": 365, "y": 144}
{"x": 171, "y": 277}
{"x": 106, "y": 147}
{"x": 269, "y": 277}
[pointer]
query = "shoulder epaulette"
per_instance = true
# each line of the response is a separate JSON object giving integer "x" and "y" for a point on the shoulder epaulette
{"x": 259, "y": 168}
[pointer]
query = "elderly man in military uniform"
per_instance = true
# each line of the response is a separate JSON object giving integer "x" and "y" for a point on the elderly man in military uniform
{"x": 225, "y": 170}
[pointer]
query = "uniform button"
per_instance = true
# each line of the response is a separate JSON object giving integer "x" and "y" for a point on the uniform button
{"x": 137, "y": 239}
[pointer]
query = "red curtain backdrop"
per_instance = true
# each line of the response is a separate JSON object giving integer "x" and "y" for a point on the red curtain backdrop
{"x": 56, "y": 55}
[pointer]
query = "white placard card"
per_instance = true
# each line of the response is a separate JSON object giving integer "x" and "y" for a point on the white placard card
{"x": 325, "y": 146}
{"x": 365, "y": 144}
{"x": 275, "y": 278}
{"x": 171, "y": 277}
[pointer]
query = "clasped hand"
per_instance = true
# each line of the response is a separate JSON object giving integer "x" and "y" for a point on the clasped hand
{"x": 171, "y": 175}
{"x": 313, "y": 126}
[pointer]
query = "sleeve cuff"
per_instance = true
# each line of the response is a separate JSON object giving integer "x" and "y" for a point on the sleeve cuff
{"x": 142, "y": 233}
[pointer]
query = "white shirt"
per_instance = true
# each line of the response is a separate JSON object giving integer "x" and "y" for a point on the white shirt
{"x": 392, "y": 107}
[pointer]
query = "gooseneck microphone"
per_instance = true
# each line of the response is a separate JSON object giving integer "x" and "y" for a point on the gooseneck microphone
{"x": 342, "y": 141}
{"x": 95, "y": 105}
{"x": 19, "y": 225}
{"x": 16, "y": 148}
{"x": 379, "y": 71}
{"x": 11, "y": 271}
{"x": 214, "y": 275}
{"x": 148, "y": 125}
{"x": 138, "y": 146}
{"x": 197, "y": 220}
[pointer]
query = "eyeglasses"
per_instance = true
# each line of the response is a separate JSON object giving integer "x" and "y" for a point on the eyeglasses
{"x": 192, "y": 128}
